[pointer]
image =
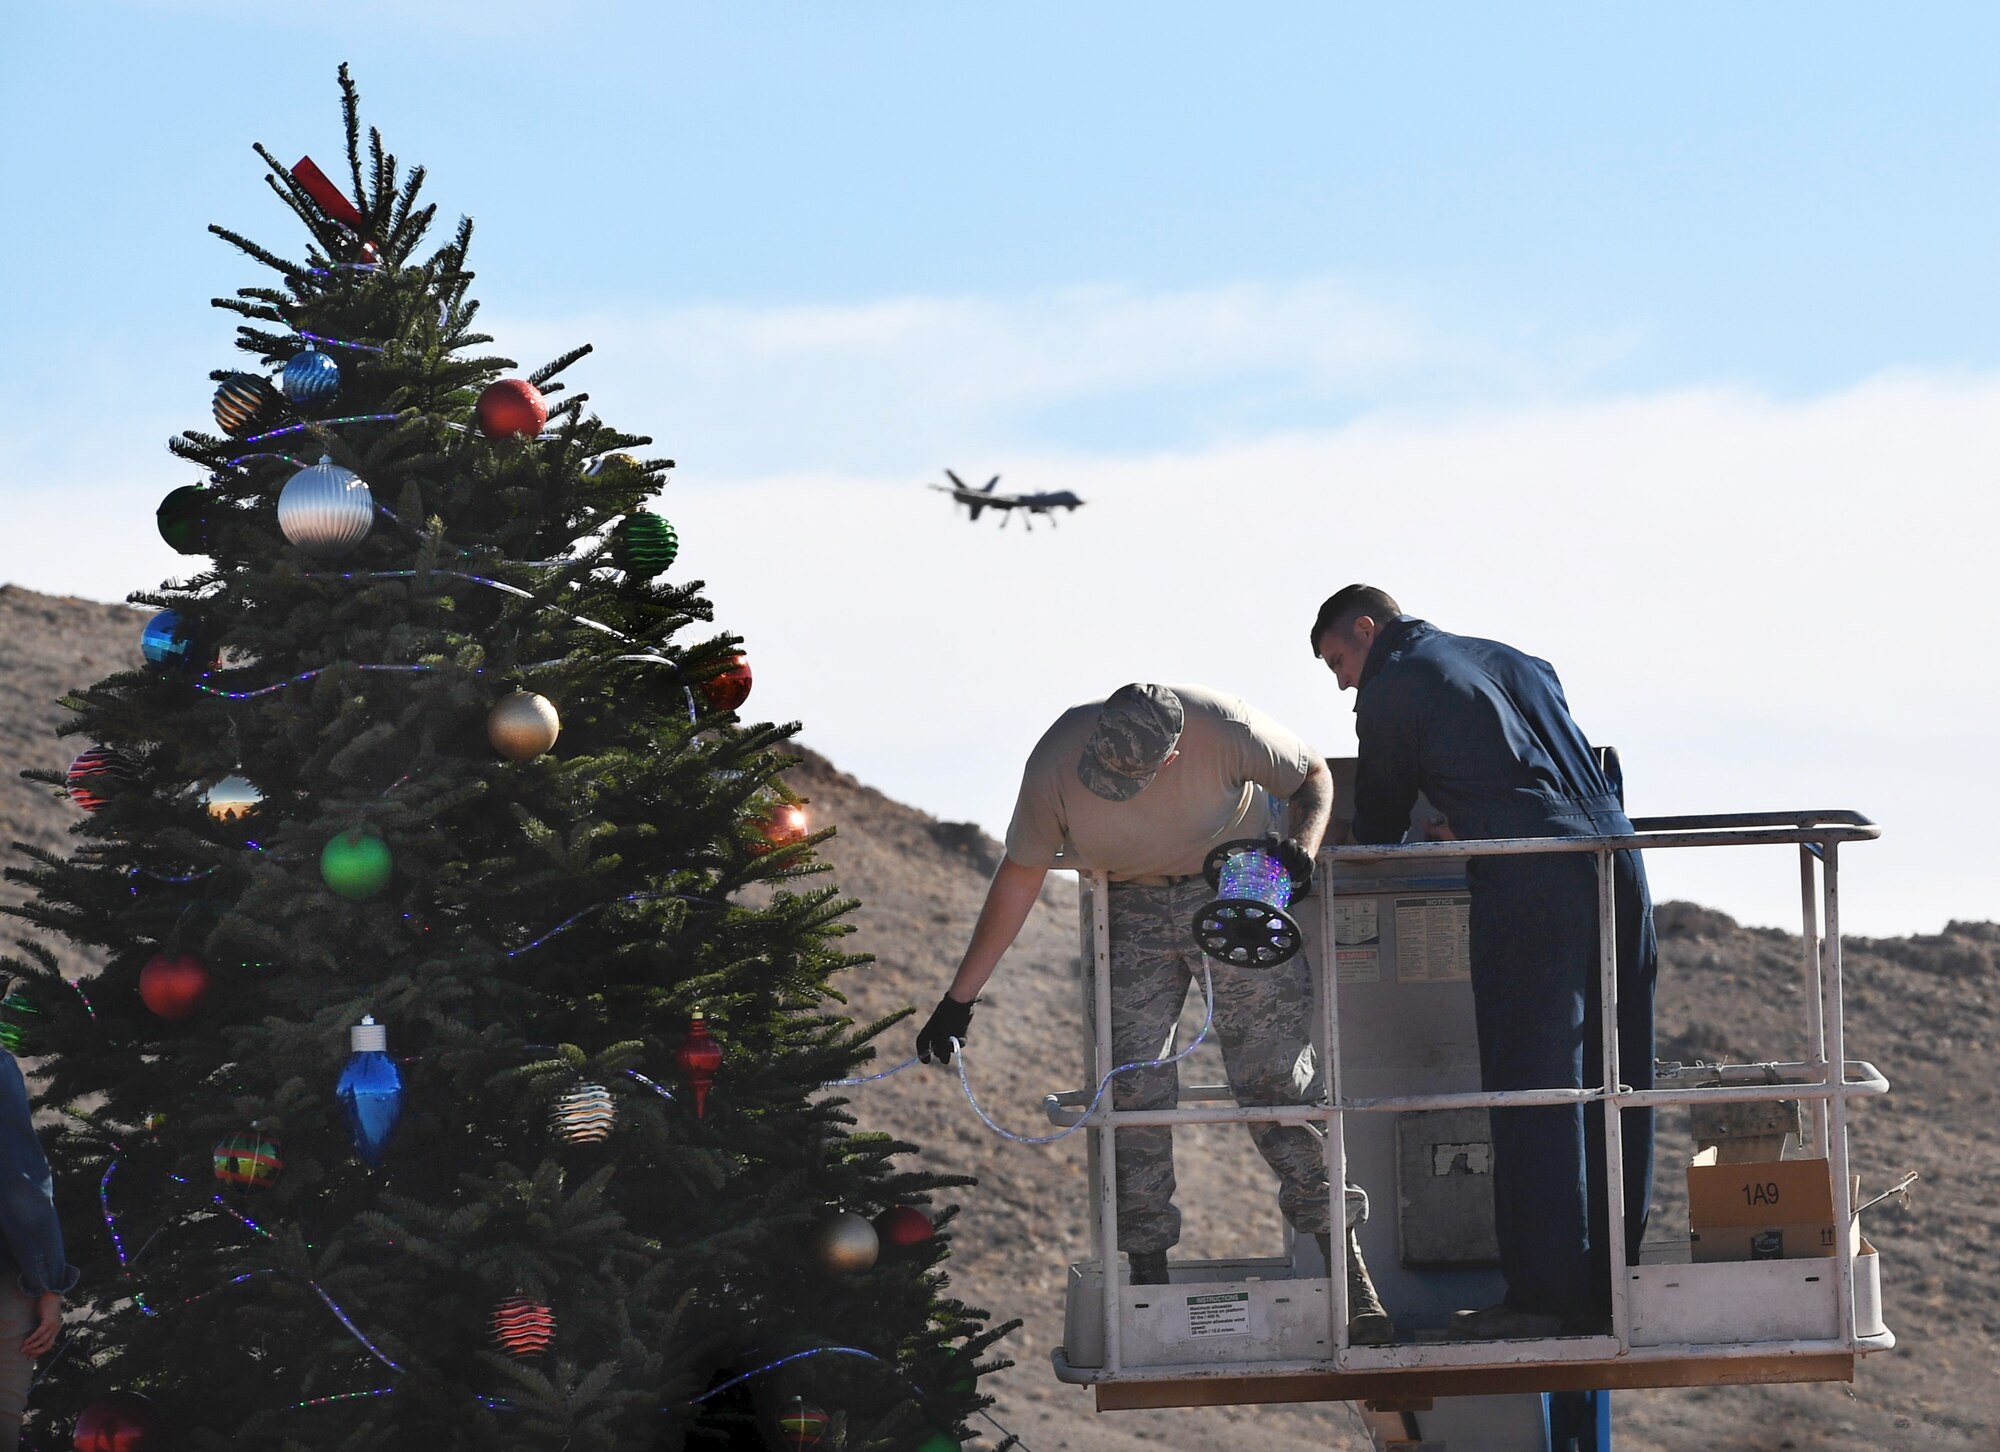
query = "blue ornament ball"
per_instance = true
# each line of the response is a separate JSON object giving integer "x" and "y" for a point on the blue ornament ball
{"x": 169, "y": 643}
{"x": 311, "y": 377}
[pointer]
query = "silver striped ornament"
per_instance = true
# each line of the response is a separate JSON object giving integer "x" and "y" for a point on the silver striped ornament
{"x": 326, "y": 509}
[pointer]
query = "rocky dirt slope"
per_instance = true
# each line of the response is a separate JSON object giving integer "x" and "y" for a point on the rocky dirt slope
{"x": 1922, "y": 1008}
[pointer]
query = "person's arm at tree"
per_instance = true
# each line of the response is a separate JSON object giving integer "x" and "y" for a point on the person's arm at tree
{"x": 1009, "y": 899}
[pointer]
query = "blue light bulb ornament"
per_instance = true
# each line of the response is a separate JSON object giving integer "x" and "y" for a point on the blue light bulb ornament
{"x": 370, "y": 1090}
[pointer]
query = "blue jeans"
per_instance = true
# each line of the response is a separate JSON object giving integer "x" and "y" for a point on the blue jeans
{"x": 1535, "y": 990}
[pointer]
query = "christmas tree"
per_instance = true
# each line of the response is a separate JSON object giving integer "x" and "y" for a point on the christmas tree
{"x": 456, "y": 1076}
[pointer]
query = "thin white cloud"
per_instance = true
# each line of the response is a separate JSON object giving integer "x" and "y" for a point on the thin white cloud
{"x": 906, "y": 382}
{"x": 1763, "y": 603}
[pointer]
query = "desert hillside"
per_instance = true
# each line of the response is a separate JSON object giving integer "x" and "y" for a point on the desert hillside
{"x": 1921, "y": 1008}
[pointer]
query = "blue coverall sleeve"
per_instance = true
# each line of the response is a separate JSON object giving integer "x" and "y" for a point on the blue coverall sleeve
{"x": 1385, "y": 776}
{"x": 27, "y": 1193}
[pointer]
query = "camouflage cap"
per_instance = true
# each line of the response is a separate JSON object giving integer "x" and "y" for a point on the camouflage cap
{"x": 1135, "y": 734}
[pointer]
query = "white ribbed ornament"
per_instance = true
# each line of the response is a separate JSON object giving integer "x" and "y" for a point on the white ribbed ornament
{"x": 585, "y": 1114}
{"x": 326, "y": 509}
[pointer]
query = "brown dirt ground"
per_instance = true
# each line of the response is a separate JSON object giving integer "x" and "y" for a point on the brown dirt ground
{"x": 1922, "y": 1008}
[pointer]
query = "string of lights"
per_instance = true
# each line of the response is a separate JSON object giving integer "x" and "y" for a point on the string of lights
{"x": 1208, "y": 1019}
{"x": 341, "y": 343}
{"x": 318, "y": 423}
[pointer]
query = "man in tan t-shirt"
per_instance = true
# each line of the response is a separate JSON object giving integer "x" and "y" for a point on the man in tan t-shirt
{"x": 1140, "y": 787}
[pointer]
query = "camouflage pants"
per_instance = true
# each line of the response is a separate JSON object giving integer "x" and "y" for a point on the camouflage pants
{"x": 1261, "y": 1017}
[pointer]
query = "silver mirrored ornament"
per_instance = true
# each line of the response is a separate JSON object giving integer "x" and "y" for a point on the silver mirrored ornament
{"x": 326, "y": 509}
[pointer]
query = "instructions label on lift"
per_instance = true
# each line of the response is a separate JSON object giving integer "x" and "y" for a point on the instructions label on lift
{"x": 1223, "y": 1315}
{"x": 1434, "y": 939}
{"x": 1357, "y": 940}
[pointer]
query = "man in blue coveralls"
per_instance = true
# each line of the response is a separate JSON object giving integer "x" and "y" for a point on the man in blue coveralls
{"x": 1483, "y": 731}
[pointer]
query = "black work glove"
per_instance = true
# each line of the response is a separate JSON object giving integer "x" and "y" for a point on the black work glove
{"x": 1298, "y": 863}
{"x": 948, "y": 1021}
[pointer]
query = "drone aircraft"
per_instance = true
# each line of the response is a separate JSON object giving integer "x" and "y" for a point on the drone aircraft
{"x": 1033, "y": 504}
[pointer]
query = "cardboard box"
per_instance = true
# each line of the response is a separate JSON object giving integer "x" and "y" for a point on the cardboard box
{"x": 1769, "y": 1210}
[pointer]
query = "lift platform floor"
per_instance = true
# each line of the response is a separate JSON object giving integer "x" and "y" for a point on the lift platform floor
{"x": 1468, "y": 1381}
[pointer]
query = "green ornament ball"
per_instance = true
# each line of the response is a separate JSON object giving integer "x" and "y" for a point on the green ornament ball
{"x": 939, "y": 1442}
{"x": 356, "y": 864}
{"x": 643, "y": 545}
{"x": 19, "y": 1018}
{"x": 183, "y": 519}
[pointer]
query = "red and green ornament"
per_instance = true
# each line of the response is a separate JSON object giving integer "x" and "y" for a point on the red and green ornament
{"x": 356, "y": 864}
{"x": 643, "y": 545}
{"x": 800, "y": 1425}
{"x": 248, "y": 1158}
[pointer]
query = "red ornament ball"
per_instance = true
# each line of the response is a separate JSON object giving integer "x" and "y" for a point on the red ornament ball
{"x": 523, "y": 1327}
{"x": 729, "y": 690}
{"x": 120, "y": 1422}
{"x": 173, "y": 986}
{"x": 904, "y": 1226}
{"x": 513, "y": 408}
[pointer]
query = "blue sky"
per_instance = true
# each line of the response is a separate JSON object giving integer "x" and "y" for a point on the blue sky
{"x": 1294, "y": 293}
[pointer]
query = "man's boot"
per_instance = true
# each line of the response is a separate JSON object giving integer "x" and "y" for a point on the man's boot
{"x": 1149, "y": 1267}
{"x": 1367, "y": 1323}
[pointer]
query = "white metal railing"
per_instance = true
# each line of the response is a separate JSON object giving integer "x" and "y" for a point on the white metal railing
{"x": 1817, "y": 835}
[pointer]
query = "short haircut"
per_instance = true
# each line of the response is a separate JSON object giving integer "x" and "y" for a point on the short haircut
{"x": 1351, "y": 603}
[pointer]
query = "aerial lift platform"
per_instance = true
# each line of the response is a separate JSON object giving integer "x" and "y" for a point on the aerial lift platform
{"x": 1404, "y": 1117}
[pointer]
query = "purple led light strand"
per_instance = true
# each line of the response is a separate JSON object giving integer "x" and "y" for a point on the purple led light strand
{"x": 380, "y": 1391}
{"x": 958, "y": 1052}
{"x": 782, "y": 1361}
{"x": 110, "y": 1220}
{"x": 308, "y": 675}
{"x": 333, "y": 1306}
{"x": 318, "y": 423}
{"x": 354, "y": 1330}
{"x": 659, "y": 1089}
{"x": 340, "y": 343}
{"x": 77, "y": 984}
{"x": 171, "y": 876}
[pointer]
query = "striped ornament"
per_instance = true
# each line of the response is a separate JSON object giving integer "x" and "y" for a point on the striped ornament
{"x": 800, "y": 1425}
{"x": 244, "y": 404}
{"x": 96, "y": 776}
{"x": 643, "y": 545}
{"x": 523, "y": 1327}
{"x": 247, "y": 1159}
{"x": 326, "y": 509}
{"x": 311, "y": 377}
{"x": 585, "y": 1114}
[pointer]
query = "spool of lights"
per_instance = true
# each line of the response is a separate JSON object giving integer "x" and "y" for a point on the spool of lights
{"x": 1247, "y": 924}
